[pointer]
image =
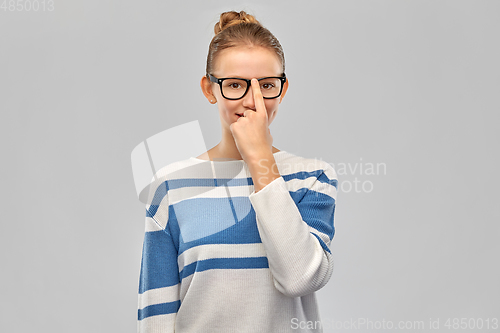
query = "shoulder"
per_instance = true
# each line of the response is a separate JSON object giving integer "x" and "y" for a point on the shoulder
{"x": 159, "y": 185}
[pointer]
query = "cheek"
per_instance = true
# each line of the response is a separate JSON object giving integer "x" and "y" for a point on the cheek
{"x": 226, "y": 106}
{"x": 271, "y": 106}
{"x": 230, "y": 105}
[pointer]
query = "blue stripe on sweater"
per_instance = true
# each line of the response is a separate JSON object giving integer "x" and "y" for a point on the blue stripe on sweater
{"x": 243, "y": 231}
{"x": 224, "y": 263}
{"x": 317, "y": 210}
{"x": 167, "y": 185}
{"x": 158, "y": 309}
{"x": 158, "y": 254}
{"x": 324, "y": 179}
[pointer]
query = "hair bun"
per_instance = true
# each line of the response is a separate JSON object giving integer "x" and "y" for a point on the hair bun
{"x": 228, "y": 19}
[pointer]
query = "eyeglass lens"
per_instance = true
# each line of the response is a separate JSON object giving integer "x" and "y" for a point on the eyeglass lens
{"x": 235, "y": 88}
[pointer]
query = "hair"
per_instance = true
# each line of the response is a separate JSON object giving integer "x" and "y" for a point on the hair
{"x": 241, "y": 29}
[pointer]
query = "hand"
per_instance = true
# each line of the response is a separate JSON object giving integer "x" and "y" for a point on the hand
{"x": 251, "y": 132}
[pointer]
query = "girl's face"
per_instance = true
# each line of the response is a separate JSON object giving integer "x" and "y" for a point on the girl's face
{"x": 247, "y": 63}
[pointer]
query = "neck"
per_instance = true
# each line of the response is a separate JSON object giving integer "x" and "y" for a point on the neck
{"x": 227, "y": 147}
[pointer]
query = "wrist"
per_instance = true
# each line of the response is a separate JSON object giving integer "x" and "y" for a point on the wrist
{"x": 263, "y": 170}
{"x": 260, "y": 158}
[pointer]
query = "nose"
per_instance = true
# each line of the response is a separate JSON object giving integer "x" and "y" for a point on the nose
{"x": 248, "y": 101}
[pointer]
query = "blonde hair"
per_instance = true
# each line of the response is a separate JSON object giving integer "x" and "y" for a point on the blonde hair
{"x": 240, "y": 29}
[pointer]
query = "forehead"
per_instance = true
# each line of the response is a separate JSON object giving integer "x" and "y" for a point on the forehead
{"x": 247, "y": 62}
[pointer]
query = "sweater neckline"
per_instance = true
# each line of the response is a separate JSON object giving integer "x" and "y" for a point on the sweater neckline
{"x": 232, "y": 161}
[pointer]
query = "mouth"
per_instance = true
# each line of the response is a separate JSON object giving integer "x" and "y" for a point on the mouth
{"x": 238, "y": 114}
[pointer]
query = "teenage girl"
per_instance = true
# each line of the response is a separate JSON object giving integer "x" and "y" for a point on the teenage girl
{"x": 248, "y": 255}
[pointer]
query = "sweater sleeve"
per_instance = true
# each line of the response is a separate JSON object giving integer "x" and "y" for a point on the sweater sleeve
{"x": 159, "y": 300}
{"x": 297, "y": 237}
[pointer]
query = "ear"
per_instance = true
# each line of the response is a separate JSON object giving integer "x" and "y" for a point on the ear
{"x": 206, "y": 88}
{"x": 285, "y": 88}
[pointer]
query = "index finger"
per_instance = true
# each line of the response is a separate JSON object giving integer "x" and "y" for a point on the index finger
{"x": 257, "y": 95}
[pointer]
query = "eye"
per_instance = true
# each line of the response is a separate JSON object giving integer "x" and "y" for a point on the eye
{"x": 267, "y": 86}
{"x": 234, "y": 85}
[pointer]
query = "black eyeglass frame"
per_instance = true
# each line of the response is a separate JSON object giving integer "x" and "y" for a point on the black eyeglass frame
{"x": 249, "y": 83}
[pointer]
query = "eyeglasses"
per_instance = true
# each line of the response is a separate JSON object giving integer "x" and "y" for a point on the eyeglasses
{"x": 235, "y": 88}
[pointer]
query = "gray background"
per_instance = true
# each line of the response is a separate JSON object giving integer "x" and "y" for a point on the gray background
{"x": 413, "y": 85}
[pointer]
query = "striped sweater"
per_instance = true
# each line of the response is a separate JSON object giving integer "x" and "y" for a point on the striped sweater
{"x": 218, "y": 257}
